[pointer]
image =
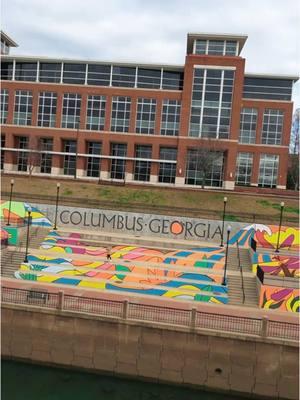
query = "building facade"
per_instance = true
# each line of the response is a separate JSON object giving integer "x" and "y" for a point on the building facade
{"x": 206, "y": 123}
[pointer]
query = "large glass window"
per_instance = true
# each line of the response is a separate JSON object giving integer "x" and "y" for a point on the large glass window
{"x": 172, "y": 80}
{"x": 71, "y": 110}
{"x": 98, "y": 74}
{"x": 120, "y": 115}
{"x": 268, "y": 88}
{"x": 50, "y": 72}
{"x": 216, "y": 47}
{"x": 6, "y": 70}
{"x": 22, "y": 161}
{"x": 26, "y": 71}
{"x": 2, "y": 151}
{"x": 204, "y": 167}
{"x": 93, "y": 163}
{"x": 74, "y": 73}
{"x": 211, "y": 103}
{"x": 118, "y": 165}
{"x": 243, "y": 173}
{"x": 69, "y": 160}
{"x": 145, "y": 117}
{"x": 142, "y": 168}
{"x": 167, "y": 171}
{"x": 123, "y": 76}
{"x": 170, "y": 117}
{"x": 268, "y": 170}
{"x": 272, "y": 127}
{"x": 148, "y": 78}
{"x": 4, "y": 106}
{"x": 248, "y": 125}
{"x": 23, "y": 107}
{"x": 96, "y": 113}
{"x": 47, "y": 109}
{"x": 46, "y": 158}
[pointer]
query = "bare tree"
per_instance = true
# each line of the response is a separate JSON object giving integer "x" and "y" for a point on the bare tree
{"x": 293, "y": 172}
{"x": 204, "y": 158}
{"x": 34, "y": 155}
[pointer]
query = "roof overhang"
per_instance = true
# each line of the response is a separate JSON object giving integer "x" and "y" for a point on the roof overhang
{"x": 8, "y": 40}
{"x": 272, "y": 76}
{"x": 241, "y": 39}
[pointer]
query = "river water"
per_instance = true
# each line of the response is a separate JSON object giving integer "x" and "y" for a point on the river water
{"x": 22, "y": 381}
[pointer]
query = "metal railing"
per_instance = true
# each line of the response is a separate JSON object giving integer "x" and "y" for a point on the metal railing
{"x": 241, "y": 269}
{"x": 125, "y": 310}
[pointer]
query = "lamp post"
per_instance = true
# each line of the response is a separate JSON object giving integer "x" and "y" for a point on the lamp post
{"x": 27, "y": 237}
{"x": 10, "y": 197}
{"x": 280, "y": 222}
{"x": 226, "y": 254}
{"x": 76, "y": 153}
{"x": 222, "y": 233}
{"x": 56, "y": 205}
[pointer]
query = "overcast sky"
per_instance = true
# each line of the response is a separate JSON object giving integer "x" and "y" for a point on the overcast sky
{"x": 155, "y": 30}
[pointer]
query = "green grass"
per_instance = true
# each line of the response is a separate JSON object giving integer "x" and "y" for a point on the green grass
{"x": 232, "y": 218}
{"x": 67, "y": 192}
{"x": 292, "y": 210}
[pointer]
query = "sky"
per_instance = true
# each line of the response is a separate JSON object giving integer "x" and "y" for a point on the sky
{"x": 145, "y": 31}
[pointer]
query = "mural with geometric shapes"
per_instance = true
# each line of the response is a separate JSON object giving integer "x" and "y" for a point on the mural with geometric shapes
{"x": 277, "y": 298}
{"x": 19, "y": 214}
{"x": 277, "y": 265}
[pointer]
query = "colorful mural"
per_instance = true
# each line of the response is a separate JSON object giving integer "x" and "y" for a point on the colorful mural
{"x": 19, "y": 212}
{"x": 279, "y": 265}
{"x": 276, "y": 298}
{"x": 266, "y": 236}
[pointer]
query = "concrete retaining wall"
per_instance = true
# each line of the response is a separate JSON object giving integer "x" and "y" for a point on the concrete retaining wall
{"x": 218, "y": 362}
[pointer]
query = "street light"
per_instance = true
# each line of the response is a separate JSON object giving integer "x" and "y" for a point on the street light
{"x": 56, "y": 205}
{"x": 27, "y": 238}
{"x": 76, "y": 154}
{"x": 222, "y": 233}
{"x": 226, "y": 254}
{"x": 10, "y": 197}
{"x": 280, "y": 221}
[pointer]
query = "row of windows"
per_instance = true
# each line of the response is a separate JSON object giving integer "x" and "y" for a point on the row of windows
{"x": 216, "y": 47}
{"x": 271, "y": 129}
{"x": 93, "y": 74}
{"x": 96, "y": 106}
{"x": 267, "y": 88}
{"x": 268, "y": 169}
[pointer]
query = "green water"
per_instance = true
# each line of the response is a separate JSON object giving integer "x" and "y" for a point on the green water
{"x": 35, "y": 382}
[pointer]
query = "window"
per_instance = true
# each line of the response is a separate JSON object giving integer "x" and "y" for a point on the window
{"x": 142, "y": 168}
{"x": 195, "y": 173}
{"x": 216, "y": 47}
{"x": 6, "y": 71}
{"x": 167, "y": 171}
{"x": 98, "y": 74}
{"x": 46, "y": 159}
{"x": 71, "y": 110}
{"x": 4, "y": 106}
{"x": 244, "y": 163}
{"x": 96, "y": 113}
{"x": 268, "y": 170}
{"x": 47, "y": 109}
{"x": 172, "y": 80}
{"x": 22, "y": 161}
{"x": 170, "y": 118}
{"x": 50, "y": 72}
{"x": 268, "y": 88}
{"x": 117, "y": 170}
{"x": 148, "y": 78}
{"x": 120, "y": 115}
{"x": 69, "y": 160}
{"x": 2, "y": 151}
{"x": 248, "y": 125}
{"x": 23, "y": 107}
{"x": 93, "y": 163}
{"x": 74, "y": 74}
{"x": 123, "y": 76}
{"x": 211, "y": 103}
{"x": 26, "y": 71}
{"x": 272, "y": 127}
{"x": 145, "y": 117}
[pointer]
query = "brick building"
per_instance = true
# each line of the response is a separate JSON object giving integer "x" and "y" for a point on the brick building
{"x": 204, "y": 123}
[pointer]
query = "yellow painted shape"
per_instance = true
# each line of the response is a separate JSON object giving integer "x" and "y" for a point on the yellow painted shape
{"x": 46, "y": 278}
{"x": 96, "y": 285}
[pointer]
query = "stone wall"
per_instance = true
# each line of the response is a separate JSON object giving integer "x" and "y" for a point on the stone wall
{"x": 213, "y": 361}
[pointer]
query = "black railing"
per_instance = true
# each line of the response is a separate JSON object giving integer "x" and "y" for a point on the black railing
{"x": 241, "y": 269}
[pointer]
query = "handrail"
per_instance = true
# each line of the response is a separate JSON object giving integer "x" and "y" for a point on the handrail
{"x": 241, "y": 269}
